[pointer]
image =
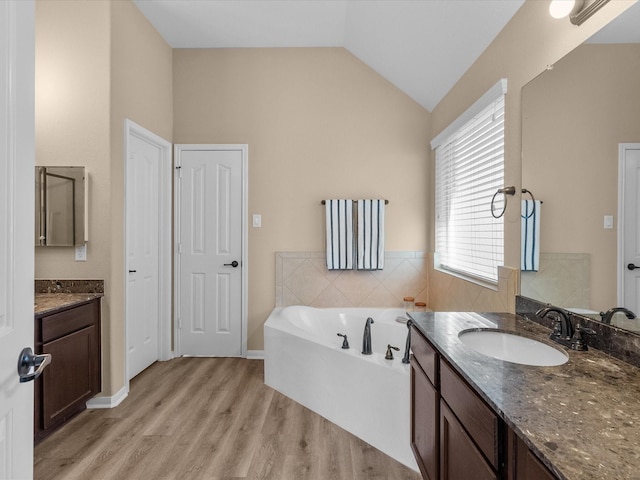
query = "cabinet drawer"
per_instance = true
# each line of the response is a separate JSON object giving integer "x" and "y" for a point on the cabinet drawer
{"x": 479, "y": 420}
{"x": 66, "y": 322}
{"x": 425, "y": 354}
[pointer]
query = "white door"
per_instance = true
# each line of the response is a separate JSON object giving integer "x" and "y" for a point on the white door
{"x": 148, "y": 163}
{"x": 17, "y": 161}
{"x": 210, "y": 249}
{"x": 630, "y": 226}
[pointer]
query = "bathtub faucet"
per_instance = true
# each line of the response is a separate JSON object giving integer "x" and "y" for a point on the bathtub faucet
{"x": 407, "y": 348}
{"x": 366, "y": 338}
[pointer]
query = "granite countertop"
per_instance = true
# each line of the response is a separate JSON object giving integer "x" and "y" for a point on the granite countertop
{"x": 49, "y": 302}
{"x": 582, "y": 418}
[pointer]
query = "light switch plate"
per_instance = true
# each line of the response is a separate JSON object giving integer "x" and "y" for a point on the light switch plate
{"x": 81, "y": 253}
{"x": 608, "y": 222}
{"x": 257, "y": 220}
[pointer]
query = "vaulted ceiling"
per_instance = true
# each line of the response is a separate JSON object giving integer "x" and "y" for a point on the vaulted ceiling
{"x": 421, "y": 46}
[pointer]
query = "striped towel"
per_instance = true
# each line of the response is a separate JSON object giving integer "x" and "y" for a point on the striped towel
{"x": 530, "y": 251}
{"x": 339, "y": 220}
{"x": 370, "y": 234}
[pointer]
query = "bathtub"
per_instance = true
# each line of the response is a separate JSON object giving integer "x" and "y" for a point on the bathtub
{"x": 365, "y": 394}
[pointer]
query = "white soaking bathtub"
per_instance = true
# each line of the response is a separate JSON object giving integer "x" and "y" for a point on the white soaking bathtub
{"x": 364, "y": 394}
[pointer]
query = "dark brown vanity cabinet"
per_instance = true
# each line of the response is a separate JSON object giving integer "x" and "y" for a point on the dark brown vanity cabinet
{"x": 72, "y": 336}
{"x": 455, "y": 435}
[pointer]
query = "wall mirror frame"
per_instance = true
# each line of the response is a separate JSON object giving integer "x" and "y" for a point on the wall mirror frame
{"x": 574, "y": 116}
{"x": 60, "y": 206}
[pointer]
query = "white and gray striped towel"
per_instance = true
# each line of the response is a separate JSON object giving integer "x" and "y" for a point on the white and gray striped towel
{"x": 370, "y": 234}
{"x": 530, "y": 234}
{"x": 339, "y": 221}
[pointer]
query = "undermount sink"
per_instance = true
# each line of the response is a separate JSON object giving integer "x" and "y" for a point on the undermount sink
{"x": 512, "y": 348}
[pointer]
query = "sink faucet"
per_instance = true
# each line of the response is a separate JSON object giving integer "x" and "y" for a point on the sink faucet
{"x": 562, "y": 327}
{"x": 366, "y": 337}
{"x": 606, "y": 316}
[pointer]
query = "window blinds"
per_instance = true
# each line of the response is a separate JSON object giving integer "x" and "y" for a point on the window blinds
{"x": 469, "y": 170}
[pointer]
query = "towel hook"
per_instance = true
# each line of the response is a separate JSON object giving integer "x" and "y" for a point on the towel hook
{"x": 504, "y": 191}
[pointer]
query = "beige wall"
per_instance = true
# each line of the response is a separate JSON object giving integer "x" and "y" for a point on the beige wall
{"x": 97, "y": 63}
{"x": 530, "y": 42}
{"x": 319, "y": 124}
{"x": 574, "y": 117}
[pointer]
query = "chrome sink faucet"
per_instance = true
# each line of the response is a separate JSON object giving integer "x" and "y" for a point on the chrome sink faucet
{"x": 366, "y": 337}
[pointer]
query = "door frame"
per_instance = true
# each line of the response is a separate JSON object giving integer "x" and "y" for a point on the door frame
{"x": 622, "y": 150}
{"x": 178, "y": 149}
{"x": 164, "y": 241}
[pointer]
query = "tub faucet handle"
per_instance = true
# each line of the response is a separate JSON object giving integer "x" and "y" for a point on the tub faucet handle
{"x": 345, "y": 342}
{"x": 389, "y": 355}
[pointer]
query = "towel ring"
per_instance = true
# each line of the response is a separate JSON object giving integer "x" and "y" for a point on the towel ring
{"x": 504, "y": 191}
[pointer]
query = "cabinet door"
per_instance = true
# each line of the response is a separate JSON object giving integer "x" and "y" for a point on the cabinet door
{"x": 459, "y": 457}
{"x": 69, "y": 381}
{"x": 528, "y": 467}
{"x": 424, "y": 422}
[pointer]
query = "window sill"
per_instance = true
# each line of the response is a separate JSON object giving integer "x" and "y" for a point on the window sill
{"x": 468, "y": 278}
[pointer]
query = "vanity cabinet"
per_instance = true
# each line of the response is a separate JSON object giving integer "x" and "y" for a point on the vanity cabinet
{"x": 72, "y": 336}
{"x": 455, "y": 435}
{"x": 425, "y": 408}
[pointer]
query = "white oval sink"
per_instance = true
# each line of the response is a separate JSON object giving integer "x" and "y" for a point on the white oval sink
{"x": 512, "y": 348}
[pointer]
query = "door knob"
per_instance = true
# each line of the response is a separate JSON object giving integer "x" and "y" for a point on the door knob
{"x": 27, "y": 360}
{"x": 233, "y": 264}
{"x": 631, "y": 266}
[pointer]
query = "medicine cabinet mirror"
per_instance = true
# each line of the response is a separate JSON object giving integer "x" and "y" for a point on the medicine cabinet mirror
{"x": 60, "y": 206}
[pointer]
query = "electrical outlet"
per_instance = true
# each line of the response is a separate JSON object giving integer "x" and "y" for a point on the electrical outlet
{"x": 81, "y": 253}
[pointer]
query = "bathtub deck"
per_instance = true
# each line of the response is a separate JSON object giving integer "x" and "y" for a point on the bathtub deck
{"x": 208, "y": 418}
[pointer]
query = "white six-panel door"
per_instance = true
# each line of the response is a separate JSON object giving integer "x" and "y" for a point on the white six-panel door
{"x": 148, "y": 172}
{"x": 17, "y": 160}
{"x": 210, "y": 266}
{"x": 629, "y": 231}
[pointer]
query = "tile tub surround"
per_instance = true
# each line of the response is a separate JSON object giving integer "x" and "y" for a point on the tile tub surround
{"x": 302, "y": 278}
{"x": 580, "y": 418}
{"x": 621, "y": 344}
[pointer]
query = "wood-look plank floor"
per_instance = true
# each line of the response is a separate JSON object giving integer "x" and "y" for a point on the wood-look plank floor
{"x": 213, "y": 419}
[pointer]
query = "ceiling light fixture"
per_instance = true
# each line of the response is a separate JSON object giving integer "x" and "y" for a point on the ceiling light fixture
{"x": 577, "y": 10}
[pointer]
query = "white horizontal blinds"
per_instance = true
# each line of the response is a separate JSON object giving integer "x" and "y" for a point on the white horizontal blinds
{"x": 469, "y": 170}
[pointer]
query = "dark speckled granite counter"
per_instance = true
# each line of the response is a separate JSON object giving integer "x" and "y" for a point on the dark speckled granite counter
{"x": 582, "y": 418}
{"x": 50, "y": 302}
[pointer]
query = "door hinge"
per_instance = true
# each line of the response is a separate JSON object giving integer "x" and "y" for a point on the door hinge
{"x": 179, "y": 248}
{"x": 179, "y": 169}
{"x": 179, "y": 324}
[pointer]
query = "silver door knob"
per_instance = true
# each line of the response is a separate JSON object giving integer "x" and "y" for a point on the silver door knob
{"x": 28, "y": 361}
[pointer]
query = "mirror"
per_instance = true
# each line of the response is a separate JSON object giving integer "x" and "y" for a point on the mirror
{"x": 60, "y": 206}
{"x": 573, "y": 118}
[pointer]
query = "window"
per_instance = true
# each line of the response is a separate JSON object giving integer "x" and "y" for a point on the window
{"x": 469, "y": 170}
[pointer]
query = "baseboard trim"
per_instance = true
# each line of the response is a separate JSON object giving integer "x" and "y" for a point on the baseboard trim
{"x": 255, "y": 354}
{"x": 108, "y": 402}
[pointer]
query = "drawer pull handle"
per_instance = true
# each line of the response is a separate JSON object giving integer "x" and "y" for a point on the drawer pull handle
{"x": 27, "y": 360}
